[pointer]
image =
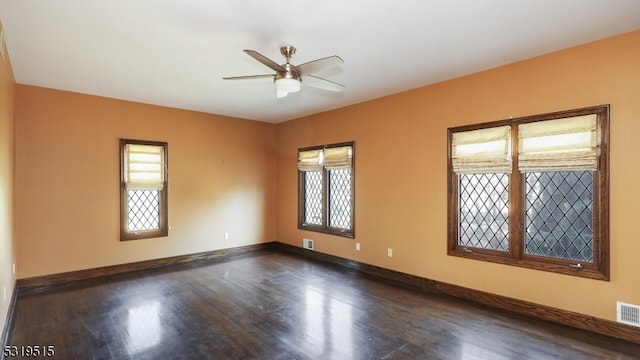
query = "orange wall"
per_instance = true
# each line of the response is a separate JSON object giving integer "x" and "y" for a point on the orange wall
{"x": 224, "y": 176}
{"x": 221, "y": 170}
{"x": 8, "y": 248}
{"x": 400, "y": 175}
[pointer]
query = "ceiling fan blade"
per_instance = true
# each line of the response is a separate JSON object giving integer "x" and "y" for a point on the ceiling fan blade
{"x": 265, "y": 60}
{"x": 321, "y": 83}
{"x": 248, "y": 77}
{"x": 317, "y": 65}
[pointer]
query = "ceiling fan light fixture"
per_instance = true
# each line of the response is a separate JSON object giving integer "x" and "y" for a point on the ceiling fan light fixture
{"x": 285, "y": 86}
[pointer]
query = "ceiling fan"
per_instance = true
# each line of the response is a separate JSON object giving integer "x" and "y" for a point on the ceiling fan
{"x": 288, "y": 77}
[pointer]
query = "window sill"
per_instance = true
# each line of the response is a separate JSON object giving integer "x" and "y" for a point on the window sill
{"x": 552, "y": 265}
{"x": 332, "y": 231}
{"x": 126, "y": 236}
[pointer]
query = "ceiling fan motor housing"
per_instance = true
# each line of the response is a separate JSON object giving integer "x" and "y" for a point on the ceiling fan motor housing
{"x": 289, "y": 74}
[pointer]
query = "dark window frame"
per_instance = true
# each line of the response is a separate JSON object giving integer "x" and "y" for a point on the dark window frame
{"x": 516, "y": 256}
{"x": 324, "y": 227}
{"x": 163, "y": 229}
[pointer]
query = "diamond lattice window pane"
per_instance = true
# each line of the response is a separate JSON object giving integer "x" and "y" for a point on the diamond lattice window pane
{"x": 484, "y": 211}
{"x": 559, "y": 215}
{"x": 313, "y": 197}
{"x": 340, "y": 198}
{"x": 143, "y": 213}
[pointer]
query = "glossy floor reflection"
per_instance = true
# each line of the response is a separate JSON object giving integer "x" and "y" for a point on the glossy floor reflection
{"x": 144, "y": 328}
{"x": 276, "y": 306}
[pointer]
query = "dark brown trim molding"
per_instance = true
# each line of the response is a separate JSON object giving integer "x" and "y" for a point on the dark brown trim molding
{"x": 8, "y": 324}
{"x": 568, "y": 318}
{"x": 56, "y": 279}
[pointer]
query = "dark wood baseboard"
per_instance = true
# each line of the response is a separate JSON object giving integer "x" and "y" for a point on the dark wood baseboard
{"x": 8, "y": 323}
{"x": 568, "y": 318}
{"x": 45, "y": 281}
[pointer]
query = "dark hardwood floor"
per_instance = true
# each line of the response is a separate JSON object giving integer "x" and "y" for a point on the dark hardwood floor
{"x": 270, "y": 305}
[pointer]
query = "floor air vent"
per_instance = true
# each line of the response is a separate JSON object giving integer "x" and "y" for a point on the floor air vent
{"x": 629, "y": 314}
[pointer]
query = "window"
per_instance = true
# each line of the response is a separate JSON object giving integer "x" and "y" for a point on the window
{"x": 533, "y": 192}
{"x": 326, "y": 189}
{"x": 143, "y": 189}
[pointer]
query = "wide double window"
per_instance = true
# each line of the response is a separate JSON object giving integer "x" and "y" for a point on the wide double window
{"x": 143, "y": 189}
{"x": 326, "y": 189}
{"x": 533, "y": 192}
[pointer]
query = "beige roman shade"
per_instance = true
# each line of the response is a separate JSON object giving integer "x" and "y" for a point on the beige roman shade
{"x": 482, "y": 151}
{"x": 310, "y": 160}
{"x": 566, "y": 144}
{"x": 145, "y": 165}
{"x": 338, "y": 157}
{"x": 332, "y": 158}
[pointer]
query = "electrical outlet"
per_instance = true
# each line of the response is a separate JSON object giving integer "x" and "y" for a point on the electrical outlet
{"x": 226, "y": 235}
{"x": 14, "y": 268}
{"x": 390, "y": 252}
{"x": 357, "y": 246}
{"x": 307, "y": 244}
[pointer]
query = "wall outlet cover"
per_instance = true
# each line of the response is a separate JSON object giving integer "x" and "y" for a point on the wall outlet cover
{"x": 307, "y": 244}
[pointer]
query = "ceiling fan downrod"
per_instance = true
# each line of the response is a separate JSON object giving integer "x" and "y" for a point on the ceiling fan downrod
{"x": 288, "y": 52}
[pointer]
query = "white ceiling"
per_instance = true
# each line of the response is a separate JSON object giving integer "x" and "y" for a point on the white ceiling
{"x": 175, "y": 52}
